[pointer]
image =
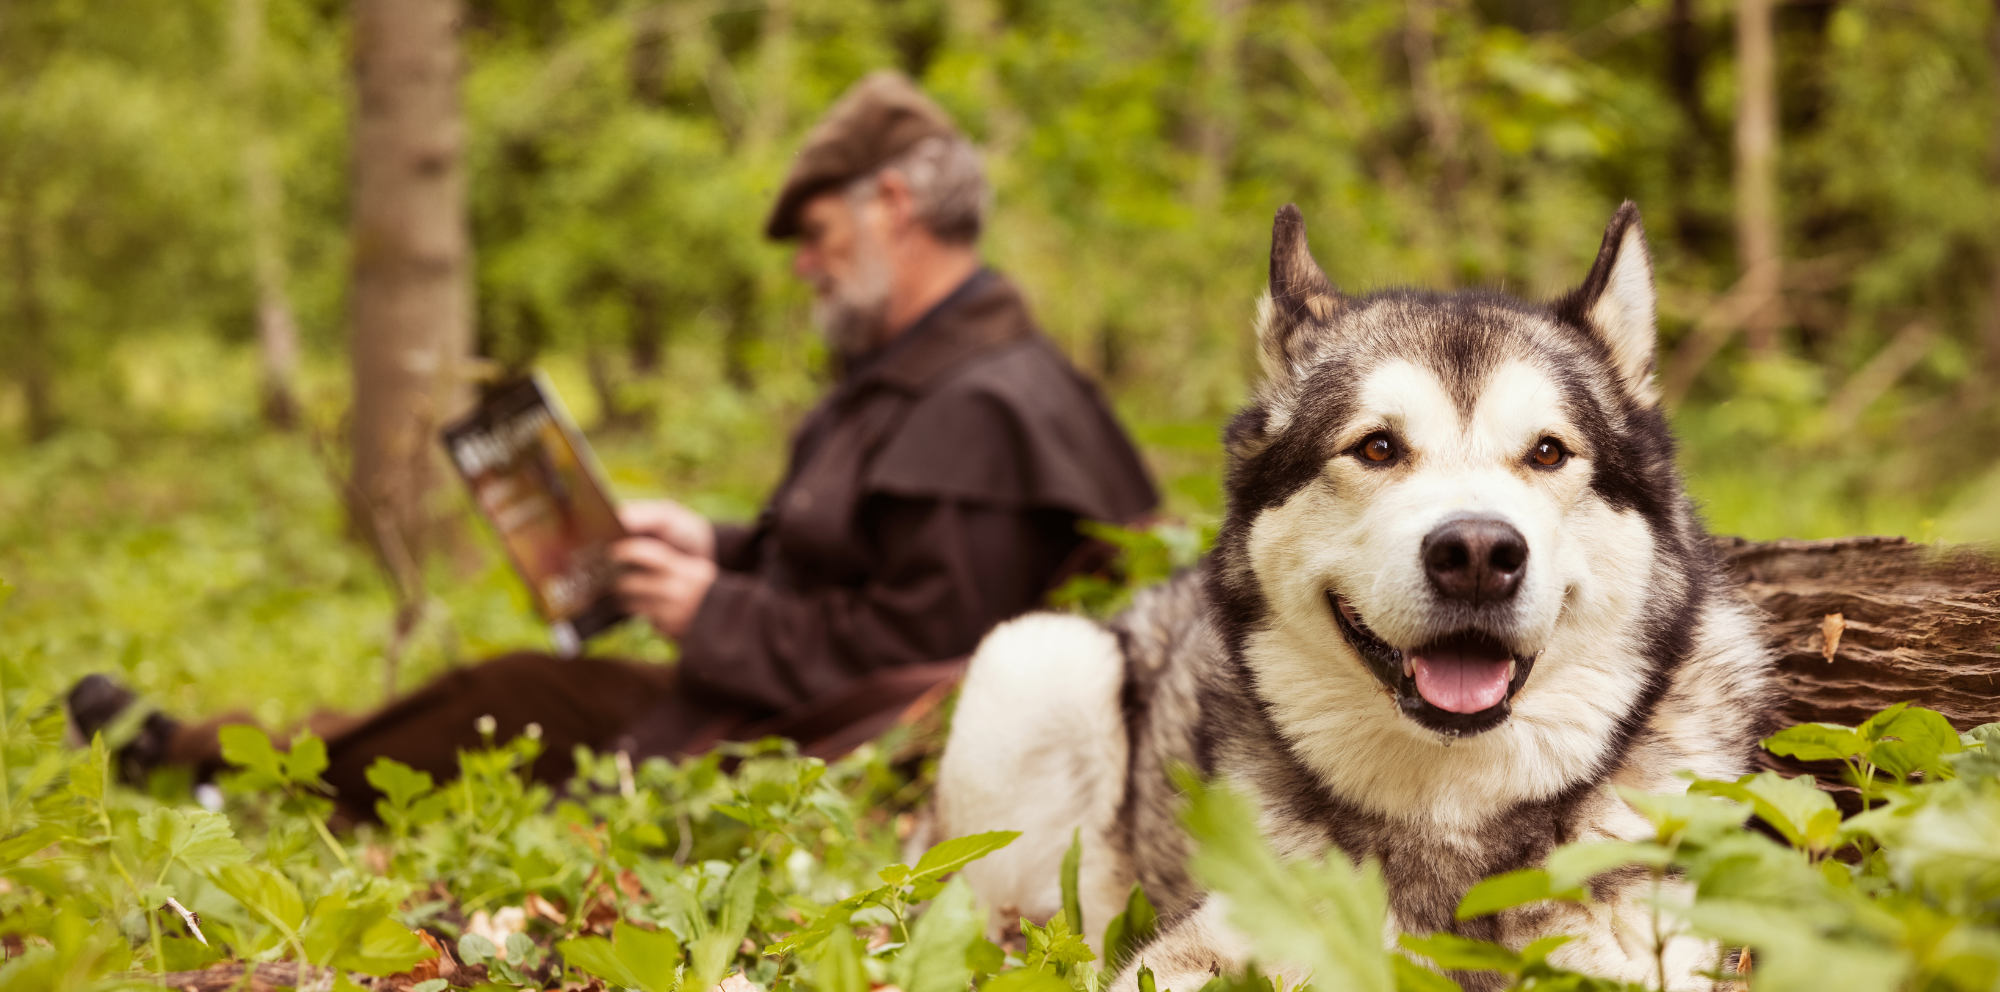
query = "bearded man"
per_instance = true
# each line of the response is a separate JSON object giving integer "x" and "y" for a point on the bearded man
{"x": 934, "y": 492}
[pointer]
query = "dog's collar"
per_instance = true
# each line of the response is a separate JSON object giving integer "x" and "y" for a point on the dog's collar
{"x": 1386, "y": 664}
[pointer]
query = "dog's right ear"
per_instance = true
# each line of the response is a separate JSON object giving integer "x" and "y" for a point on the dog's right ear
{"x": 1302, "y": 300}
{"x": 1618, "y": 304}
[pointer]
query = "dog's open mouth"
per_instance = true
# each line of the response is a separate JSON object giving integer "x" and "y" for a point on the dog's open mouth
{"x": 1459, "y": 685}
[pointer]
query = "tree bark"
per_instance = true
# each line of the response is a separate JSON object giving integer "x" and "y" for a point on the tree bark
{"x": 277, "y": 331}
{"x": 411, "y": 288}
{"x": 34, "y": 365}
{"x": 1219, "y": 103}
{"x": 1433, "y": 108}
{"x": 1917, "y": 623}
{"x": 774, "y": 79}
{"x": 1757, "y": 236}
{"x": 1993, "y": 298}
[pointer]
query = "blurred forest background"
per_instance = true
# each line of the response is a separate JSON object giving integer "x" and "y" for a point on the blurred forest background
{"x": 184, "y": 265}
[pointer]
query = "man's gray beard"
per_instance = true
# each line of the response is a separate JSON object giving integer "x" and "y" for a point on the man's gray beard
{"x": 855, "y": 316}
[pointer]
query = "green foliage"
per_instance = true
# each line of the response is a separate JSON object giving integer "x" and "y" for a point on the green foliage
{"x": 1142, "y": 557}
{"x": 1904, "y": 896}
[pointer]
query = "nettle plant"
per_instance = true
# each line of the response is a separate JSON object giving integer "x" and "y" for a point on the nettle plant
{"x": 757, "y": 870}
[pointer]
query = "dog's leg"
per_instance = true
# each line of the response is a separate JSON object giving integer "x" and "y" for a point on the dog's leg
{"x": 1201, "y": 946}
{"x": 1613, "y": 938}
{"x": 1038, "y": 745}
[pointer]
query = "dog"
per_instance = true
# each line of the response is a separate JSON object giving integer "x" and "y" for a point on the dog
{"x": 1458, "y": 594}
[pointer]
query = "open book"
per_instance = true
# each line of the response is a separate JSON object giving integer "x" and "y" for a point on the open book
{"x": 534, "y": 478}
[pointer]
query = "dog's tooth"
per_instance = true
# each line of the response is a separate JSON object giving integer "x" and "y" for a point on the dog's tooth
{"x": 1510, "y": 669}
{"x": 1410, "y": 668}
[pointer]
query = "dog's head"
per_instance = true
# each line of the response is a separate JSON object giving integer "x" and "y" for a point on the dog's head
{"x": 1441, "y": 501}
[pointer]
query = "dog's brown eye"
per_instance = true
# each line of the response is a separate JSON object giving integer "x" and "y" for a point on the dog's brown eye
{"x": 1549, "y": 453}
{"x": 1378, "y": 447}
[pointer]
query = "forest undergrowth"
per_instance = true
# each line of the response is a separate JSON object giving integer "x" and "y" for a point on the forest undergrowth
{"x": 753, "y": 869}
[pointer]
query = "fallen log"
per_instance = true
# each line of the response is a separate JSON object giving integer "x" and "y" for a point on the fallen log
{"x": 1858, "y": 624}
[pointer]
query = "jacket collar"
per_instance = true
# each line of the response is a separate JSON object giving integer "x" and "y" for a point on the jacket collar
{"x": 984, "y": 312}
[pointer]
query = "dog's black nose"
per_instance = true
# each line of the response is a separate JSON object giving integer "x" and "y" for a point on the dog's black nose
{"x": 1475, "y": 559}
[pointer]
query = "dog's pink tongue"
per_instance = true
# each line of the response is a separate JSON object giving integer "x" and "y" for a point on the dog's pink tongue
{"x": 1457, "y": 681}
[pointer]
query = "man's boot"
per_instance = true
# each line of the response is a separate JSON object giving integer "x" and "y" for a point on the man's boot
{"x": 96, "y": 702}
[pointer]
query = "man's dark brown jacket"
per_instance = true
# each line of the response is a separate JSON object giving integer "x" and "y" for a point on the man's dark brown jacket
{"x": 933, "y": 493}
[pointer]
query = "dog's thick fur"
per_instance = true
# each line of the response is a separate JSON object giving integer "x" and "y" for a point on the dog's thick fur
{"x": 1636, "y": 660}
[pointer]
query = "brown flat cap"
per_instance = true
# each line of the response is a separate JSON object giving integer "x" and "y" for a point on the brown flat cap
{"x": 877, "y": 119}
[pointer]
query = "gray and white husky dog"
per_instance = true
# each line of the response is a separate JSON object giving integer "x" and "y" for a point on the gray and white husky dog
{"x": 1459, "y": 592}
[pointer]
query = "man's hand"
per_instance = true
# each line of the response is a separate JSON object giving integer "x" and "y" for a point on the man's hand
{"x": 662, "y": 583}
{"x": 663, "y": 519}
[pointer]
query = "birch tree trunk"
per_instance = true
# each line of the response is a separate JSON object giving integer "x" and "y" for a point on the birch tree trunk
{"x": 411, "y": 289}
{"x": 277, "y": 332}
{"x": 1757, "y": 237}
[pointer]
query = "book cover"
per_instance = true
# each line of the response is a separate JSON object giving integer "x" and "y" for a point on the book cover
{"x": 534, "y": 479}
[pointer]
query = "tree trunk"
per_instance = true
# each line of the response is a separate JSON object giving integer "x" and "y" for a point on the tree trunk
{"x": 33, "y": 364}
{"x": 648, "y": 337}
{"x": 1219, "y": 103}
{"x": 1993, "y": 289}
{"x": 411, "y": 290}
{"x": 277, "y": 332}
{"x": 1917, "y": 623}
{"x": 1757, "y": 238}
{"x": 774, "y": 79}
{"x": 1433, "y": 109}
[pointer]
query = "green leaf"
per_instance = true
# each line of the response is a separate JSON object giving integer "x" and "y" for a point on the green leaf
{"x": 267, "y": 894}
{"x": 1328, "y": 916}
{"x": 306, "y": 759}
{"x": 834, "y": 917}
{"x": 1130, "y": 930}
{"x": 595, "y": 957}
{"x": 399, "y": 784}
{"x": 1913, "y": 740}
{"x": 1981, "y": 757}
{"x": 935, "y": 959}
{"x": 478, "y": 949}
{"x": 1817, "y": 742}
{"x": 1029, "y": 980}
{"x": 1072, "y": 865}
{"x": 1054, "y": 945}
{"x": 1678, "y": 815}
{"x": 1413, "y": 977}
{"x": 984, "y": 957}
{"x": 951, "y": 855}
{"x": 385, "y": 947}
{"x": 1515, "y": 888}
{"x": 739, "y": 898}
{"x": 709, "y": 955}
{"x": 651, "y": 956}
{"x": 1873, "y": 728}
{"x": 1455, "y": 953}
{"x": 262, "y": 767}
{"x": 1537, "y": 952}
{"x": 839, "y": 967}
{"x": 1572, "y": 865}
{"x": 1791, "y": 955}
{"x": 198, "y": 839}
{"x": 19, "y": 846}
{"x": 1787, "y": 804}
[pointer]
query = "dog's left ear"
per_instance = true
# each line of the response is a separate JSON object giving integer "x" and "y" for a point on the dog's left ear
{"x": 1618, "y": 304}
